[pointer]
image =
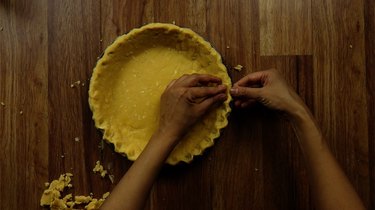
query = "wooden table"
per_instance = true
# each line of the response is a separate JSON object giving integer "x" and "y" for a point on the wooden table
{"x": 325, "y": 48}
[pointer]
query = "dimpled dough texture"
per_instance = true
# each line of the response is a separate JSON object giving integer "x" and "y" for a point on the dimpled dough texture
{"x": 129, "y": 79}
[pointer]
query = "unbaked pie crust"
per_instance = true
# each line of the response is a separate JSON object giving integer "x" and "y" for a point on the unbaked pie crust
{"x": 129, "y": 79}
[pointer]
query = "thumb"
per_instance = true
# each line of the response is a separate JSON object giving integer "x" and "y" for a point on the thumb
{"x": 246, "y": 92}
{"x": 217, "y": 99}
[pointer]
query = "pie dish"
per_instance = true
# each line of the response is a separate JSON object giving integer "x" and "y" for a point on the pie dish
{"x": 127, "y": 83}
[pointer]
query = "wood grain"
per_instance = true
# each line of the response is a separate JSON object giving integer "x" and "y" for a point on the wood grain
{"x": 235, "y": 178}
{"x": 340, "y": 85}
{"x": 24, "y": 91}
{"x": 325, "y": 49}
{"x": 72, "y": 57}
{"x": 284, "y": 172}
{"x": 370, "y": 81}
{"x": 285, "y": 27}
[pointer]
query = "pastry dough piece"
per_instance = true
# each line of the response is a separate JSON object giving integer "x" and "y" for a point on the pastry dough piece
{"x": 134, "y": 71}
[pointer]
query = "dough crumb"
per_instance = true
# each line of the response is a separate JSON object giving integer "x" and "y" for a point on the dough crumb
{"x": 351, "y": 46}
{"x": 1, "y": 28}
{"x": 70, "y": 204}
{"x": 105, "y": 195}
{"x": 256, "y": 169}
{"x": 99, "y": 169}
{"x": 53, "y": 199}
{"x": 96, "y": 203}
{"x": 79, "y": 199}
{"x": 111, "y": 178}
{"x": 2, "y": 103}
{"x": 174, "y": 22}
{"x": 238, "y": 67}
{"x": 76, "y": 139}
{"x": 228, "y": 47}
{"x": 58, "y": 204}
{"x": 51, "y": 196}
{"x": 68, "y": 197}
{"x": 21, "y": 112}
{"x": 75, "y": 84}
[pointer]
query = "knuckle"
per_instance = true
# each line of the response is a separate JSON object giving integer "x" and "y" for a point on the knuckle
{"x": 194, "y": 79}
{"x": 184, "y": 76}
{"x": 180, "y": 91}
{"x": 241, "y": 91}
{"x": 211, "y": 91}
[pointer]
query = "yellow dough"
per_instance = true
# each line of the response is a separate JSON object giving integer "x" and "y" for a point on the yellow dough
{"x": 134, "y": 71}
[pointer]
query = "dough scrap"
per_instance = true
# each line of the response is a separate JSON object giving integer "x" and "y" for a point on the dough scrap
{"x": 238, "y": 67}
{"x": 51, "y": 197}
{"x": 99, "y": 169}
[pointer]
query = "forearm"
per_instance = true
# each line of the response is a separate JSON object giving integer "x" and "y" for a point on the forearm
{"x": 330, "y": 186}
{"x": 133, "y": 189}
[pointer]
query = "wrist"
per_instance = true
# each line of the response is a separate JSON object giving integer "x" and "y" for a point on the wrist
{"x": 167, "y": 137}
{"x": 304, "y": 122}
{"x": 161, "y": 145}
{"x": 299, "y": 114}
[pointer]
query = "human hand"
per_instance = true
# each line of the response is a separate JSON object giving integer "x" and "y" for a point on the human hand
{"x": 187, "y": 99}
{"x": 267, "y": 87}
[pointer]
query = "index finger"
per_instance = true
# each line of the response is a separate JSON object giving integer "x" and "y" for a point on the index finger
{"x": 203, "y": 92}
{"x": 197, "y": 80}
{"x": 251, "y": 79}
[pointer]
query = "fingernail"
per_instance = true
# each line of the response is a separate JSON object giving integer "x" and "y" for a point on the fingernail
{"x": 223, "y": 87}
{"x": 233, "y": 90}
{"x": 222, "y": 97}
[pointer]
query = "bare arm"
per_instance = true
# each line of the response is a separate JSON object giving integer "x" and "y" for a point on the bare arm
{"x": 331, "y": 187}
{"x": 184, "y": 101}
{"x": 133, "y": 189}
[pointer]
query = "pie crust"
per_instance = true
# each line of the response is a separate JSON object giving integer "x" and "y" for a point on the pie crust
{"x": 129, "y": 79}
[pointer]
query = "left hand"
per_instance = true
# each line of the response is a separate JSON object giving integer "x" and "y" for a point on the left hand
{"x": 183, "y": 102}
{"x": 187, "y": 99}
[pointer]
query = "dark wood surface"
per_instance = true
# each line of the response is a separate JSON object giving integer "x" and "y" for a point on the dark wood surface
{"x": 325, "y": 49}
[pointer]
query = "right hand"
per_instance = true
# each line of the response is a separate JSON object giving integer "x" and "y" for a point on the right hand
{"x": 267, "y": 87}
